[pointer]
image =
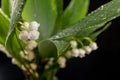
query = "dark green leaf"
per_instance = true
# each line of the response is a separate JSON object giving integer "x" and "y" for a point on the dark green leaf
{"x": 47, "y": 49}
{"x": 76, "y": 10}
{"x": 16, "y": 11}
{"x": 44, "y": 12}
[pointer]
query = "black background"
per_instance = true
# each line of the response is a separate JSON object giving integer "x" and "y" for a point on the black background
{"x": 102, "y": 64}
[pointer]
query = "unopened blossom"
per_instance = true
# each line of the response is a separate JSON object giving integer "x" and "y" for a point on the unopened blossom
{"x": 23, "y": 68}
{"x": 88, "y": 49}
{"x": 30, "y": 56}
{"x": 34, "y": 26}
{"x": 36, "y": 74}
{"x": 31, "y": 45}
{"x": 27, "y": 55}
{"x": 75, "y": 52}
{"x": 34, "y": 35}
{"x": 81, "y": 53}
{"x": 33, "y": 66}
{"x": 26, "y": 25}
{"x": 14, "y": 61}
{"x": 73, "y": 44}
{"x": 3, "y": 49}
{"x": 68, "y": 54}
{"x": 23, "y": 35}
{"x": 93, "y": 45}
{"x": 62, "y": 62}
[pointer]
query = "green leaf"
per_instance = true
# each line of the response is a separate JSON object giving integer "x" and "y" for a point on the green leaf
{"x": 89, "y": 24}
{"x": 16, "y": 11}
{"x": 12, "y": 46}
{"x": 47, "y": 49}
{"x": 6, "y": 7}
{"x": 76, "y": 10}
{"x": 44, "y": 12}
{"x": 58, "y": 23}
{"x": 4, "y": 23}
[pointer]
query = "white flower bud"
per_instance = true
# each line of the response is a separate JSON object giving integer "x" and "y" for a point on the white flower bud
{"x": 93, "y": 45}
{"x": 34, "y": 35}
{"x": 23, "y": 35}
{"x": 36, "y": 74}
{"x": 31, "y": 45}
{"x": 73, "y": 44}
{"x": 23, "y": 68}
{"x": 87, "y": 49}
{"x": 75, "y": 52}
{"x": 33, "y": 66}
{"x": 62, "y": 62}
{"x": 47, "y": 66}
{"x": 68, "y": 54}
{"x": 30, "y": 56}
{"x": 26, "y": 25}
{"x": 3, "y": 49}
{"x": 81, "y": 53}
{"x": 34, "y": 26}
{"x": 14, "y": 61}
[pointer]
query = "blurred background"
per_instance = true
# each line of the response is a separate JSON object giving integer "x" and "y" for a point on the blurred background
{"x": 102, "y": 64}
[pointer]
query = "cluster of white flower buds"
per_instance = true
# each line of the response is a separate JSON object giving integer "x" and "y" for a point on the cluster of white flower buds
{"x": 29, "y": 31}
{"x": 80, "y": 52}
{"x": 28, "y": 35}
{"x": 31, "y": 68}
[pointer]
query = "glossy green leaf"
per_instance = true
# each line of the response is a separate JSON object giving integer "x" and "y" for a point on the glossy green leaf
{"x": 58, "y": 23}
{"x": 89, "y": 24}
{"x": 6, "y": 7}
{"x": 76, "y": 10}
{"x": 4, "y": 23}
{"x": 16, "y": 11}
{"x": 44, "y": 12}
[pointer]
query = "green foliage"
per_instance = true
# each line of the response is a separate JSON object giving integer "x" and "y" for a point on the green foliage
{"x": 16, "y": 11}
{"x": 76, "y": 10}
{"x": 4, "y": 23}
{"x": 6, "y": 7}
{"x": 71, "y": 23}
{"x": 89, "y": 24}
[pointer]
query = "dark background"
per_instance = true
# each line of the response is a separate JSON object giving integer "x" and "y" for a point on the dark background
{"x": 102, "y": 64}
